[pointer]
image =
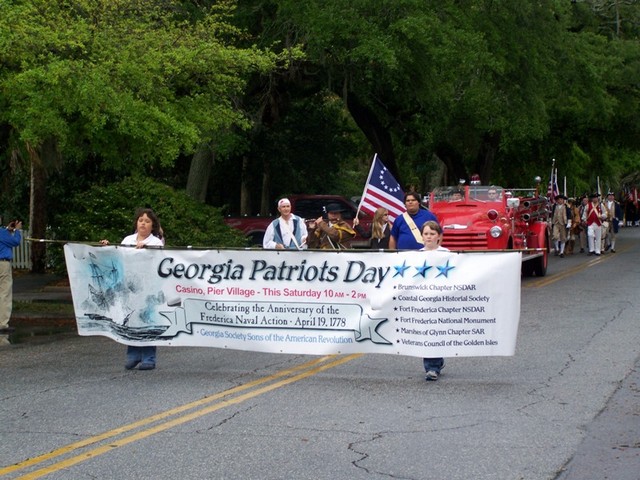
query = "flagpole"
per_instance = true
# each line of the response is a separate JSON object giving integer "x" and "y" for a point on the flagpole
{"x": 565, "y": 186}
{"x": 373, "y": 162}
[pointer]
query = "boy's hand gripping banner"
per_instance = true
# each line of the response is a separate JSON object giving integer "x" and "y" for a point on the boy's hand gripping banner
{"x": 423, "y": 304}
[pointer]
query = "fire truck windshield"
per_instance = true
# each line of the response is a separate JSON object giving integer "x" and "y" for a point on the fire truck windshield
{"x": 473, "y": 193}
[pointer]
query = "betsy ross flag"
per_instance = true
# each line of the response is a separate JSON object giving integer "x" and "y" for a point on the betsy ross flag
{"x": 382, "y": 190}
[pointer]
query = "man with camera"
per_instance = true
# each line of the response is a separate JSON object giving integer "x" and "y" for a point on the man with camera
{"x": 10, "y": 237}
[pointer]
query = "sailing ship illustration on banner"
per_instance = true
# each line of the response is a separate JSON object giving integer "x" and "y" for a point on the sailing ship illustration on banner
{"x": 109, "y": 295}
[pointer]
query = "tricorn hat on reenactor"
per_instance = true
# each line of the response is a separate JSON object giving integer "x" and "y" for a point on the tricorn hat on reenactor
{"x": 334, "y": 207}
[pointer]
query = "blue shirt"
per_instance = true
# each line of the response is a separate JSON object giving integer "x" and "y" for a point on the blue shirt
{"x": 8, "y": 241}
{"x": 402, "y": 233}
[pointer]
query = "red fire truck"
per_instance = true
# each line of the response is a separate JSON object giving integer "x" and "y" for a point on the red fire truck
{"x": 492, "y": 218}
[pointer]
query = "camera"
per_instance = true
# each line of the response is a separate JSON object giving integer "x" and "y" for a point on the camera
{"x": 12, "y": 225}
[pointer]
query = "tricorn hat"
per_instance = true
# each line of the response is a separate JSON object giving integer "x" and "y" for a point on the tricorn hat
{"x": 334, "y": 207}
{"x": 561, "y": 196}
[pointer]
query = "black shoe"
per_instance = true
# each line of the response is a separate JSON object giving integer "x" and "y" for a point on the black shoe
{"x": 597, "y": 254}
{"x": 131, "y": 364}
{"x": 7, "y": 329}
{"x": 613, "y": 250}
{"x": 562, "y": 255}
{"x": 582, "y": 250}
{"x": 147, "y": 366}
{"x": 591, "y": 253}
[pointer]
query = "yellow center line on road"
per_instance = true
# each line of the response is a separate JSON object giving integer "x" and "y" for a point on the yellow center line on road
{"x": 544, "y": 281}
{"x": 309, "y": 368}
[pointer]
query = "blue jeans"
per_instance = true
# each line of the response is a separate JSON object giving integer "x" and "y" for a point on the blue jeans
{"x": 141, "y": 354}
{"x": 434, "y": 364}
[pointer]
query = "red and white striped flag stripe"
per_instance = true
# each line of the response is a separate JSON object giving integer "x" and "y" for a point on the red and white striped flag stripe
{"x": 382, "y": 190}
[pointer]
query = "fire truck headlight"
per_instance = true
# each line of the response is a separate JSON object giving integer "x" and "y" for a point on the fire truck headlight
{"x": 495, "y": 231}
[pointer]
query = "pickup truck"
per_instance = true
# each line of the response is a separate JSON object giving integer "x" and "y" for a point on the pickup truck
{"x": 308, "y": 207}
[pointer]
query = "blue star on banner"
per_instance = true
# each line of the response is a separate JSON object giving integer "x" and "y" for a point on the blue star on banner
{"x": 445, "y": 270}
{"x": 400, "y": 269}
{"x": 422, "y": 271}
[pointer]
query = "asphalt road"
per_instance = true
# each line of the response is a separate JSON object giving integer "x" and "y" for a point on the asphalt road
{"x": 564, "y": 407}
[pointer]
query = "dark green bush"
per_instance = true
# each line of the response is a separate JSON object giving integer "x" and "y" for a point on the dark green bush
{"x": 106, "y": 212}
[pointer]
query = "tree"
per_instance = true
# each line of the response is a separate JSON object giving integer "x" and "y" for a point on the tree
{"x": 128, "y": 84}
{"x": 479, "y": 84}
{"x": 595, "y": 122}
{"x": 462, "y": 80}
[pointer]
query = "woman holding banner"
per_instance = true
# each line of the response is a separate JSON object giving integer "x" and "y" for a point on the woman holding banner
{"x": 147, "y": 232}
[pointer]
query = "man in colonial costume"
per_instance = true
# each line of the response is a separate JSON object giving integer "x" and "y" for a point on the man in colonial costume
{"x": 560, "y": 222}
{"x": 288, "y": 231}
{"x": 593, "y": 215}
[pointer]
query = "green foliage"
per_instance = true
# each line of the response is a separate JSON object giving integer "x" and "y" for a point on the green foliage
{"x": 133, "y": 82}
{"x": 454, "y": 73}
{"x": 311, "y": 149}
{"x": 316, "y": 139}
{"x": 577, "y": 170}
{"x": 438, "y": 72}
{"x": 134, "y": 85}
{"x": 107, "y": 212}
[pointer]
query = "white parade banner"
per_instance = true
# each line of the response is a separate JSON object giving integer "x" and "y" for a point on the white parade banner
{"x": 423, "y": 304}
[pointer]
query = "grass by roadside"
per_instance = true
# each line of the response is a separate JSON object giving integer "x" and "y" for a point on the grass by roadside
{"x": 41, "y": 321}
{"x": 57, "y": 308}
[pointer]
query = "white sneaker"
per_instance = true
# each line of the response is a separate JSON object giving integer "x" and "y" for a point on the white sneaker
{"x": 431, "y": 376}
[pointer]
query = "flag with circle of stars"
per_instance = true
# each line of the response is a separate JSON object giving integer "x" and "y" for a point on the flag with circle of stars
{"x": 382, "y": 190}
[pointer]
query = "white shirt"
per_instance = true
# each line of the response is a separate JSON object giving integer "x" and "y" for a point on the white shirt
{"x": 439, "y": 249}
{"x": 286, "y": 228}
{"x": 151, "y": 240}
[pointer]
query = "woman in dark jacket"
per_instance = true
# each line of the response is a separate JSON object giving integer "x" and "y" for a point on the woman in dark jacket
{"x": 380, "y": 229}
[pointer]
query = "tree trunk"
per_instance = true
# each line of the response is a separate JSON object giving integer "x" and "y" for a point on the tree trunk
{"x": 245, "y": 191}
{"x": 265, "y": 206}
{"x": 437, "y": 176}
{"x": 454, "y": 162}
{"x": 376, "y": 133}
{"x": 486, "y": 156}
{"x": 199, "y": 172}
{"x": 37, "y": 206}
